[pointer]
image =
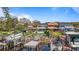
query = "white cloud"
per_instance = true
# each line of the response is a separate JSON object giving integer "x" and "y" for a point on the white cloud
{"x": 76, "y": 9}
{"x": 19, "y": 16}
{"x": 12, "y": 14}
{"x": 66, "y": 11}
{"x": 1, "y": 13}
{"x": 25, "y": 16}
{"x": 57, "y": 9}
{"x": 54, "y": 8}
{"x": 22, "y": 16}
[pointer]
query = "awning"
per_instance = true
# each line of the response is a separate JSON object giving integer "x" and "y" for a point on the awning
{"x": 32, "y": 44}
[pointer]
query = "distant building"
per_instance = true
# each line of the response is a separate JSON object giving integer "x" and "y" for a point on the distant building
{"x": 73, "y": 38}
{"x": 66, "y": 26}
{"x": 42, "y": 26}
{"x": 77, "y": 28}
{"x": 53, "y": 25}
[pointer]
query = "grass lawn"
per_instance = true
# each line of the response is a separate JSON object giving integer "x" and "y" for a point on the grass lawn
{"x": 8, "y": 32}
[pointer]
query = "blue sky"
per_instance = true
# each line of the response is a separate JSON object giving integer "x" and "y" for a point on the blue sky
{"x": 47, "y": 14}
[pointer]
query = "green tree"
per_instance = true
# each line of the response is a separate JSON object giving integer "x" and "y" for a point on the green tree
{"x": 36, "y": 23}
{"x": 7, "y": 17}
{"x": 47, "y": 33}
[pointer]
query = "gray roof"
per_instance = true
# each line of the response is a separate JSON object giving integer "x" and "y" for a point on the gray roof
{"x": 43, "y": 24}
{"x": 72, "y": 33}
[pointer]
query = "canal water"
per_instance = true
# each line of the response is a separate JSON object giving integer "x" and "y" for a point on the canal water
{"x": 42, "y": 48}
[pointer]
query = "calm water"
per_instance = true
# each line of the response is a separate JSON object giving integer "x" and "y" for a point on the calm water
{"x": 43, "y": 48}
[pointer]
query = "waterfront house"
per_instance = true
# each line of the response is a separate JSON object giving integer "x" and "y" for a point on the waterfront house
{"x": 73, "y": 38}
{"x": 40, "y": 28}
{"x": 66, "y": 26}
{"x": 53, "y": 25}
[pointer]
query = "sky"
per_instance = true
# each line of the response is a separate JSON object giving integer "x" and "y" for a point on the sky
{"x": 46, "y": 14}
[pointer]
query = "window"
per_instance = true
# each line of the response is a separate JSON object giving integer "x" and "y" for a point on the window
{"x": 74, "y": 38}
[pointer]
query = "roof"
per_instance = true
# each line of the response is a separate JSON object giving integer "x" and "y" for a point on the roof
{"x": 43, "y": 25}
{"x": 72, "y": 33}
{"x": 53, "y": 23}
{"x": 14, "y": 36}
{"x": 31, "y": 44}
{"x": 65, "y": 24}
{"x": 53, "y": 28}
